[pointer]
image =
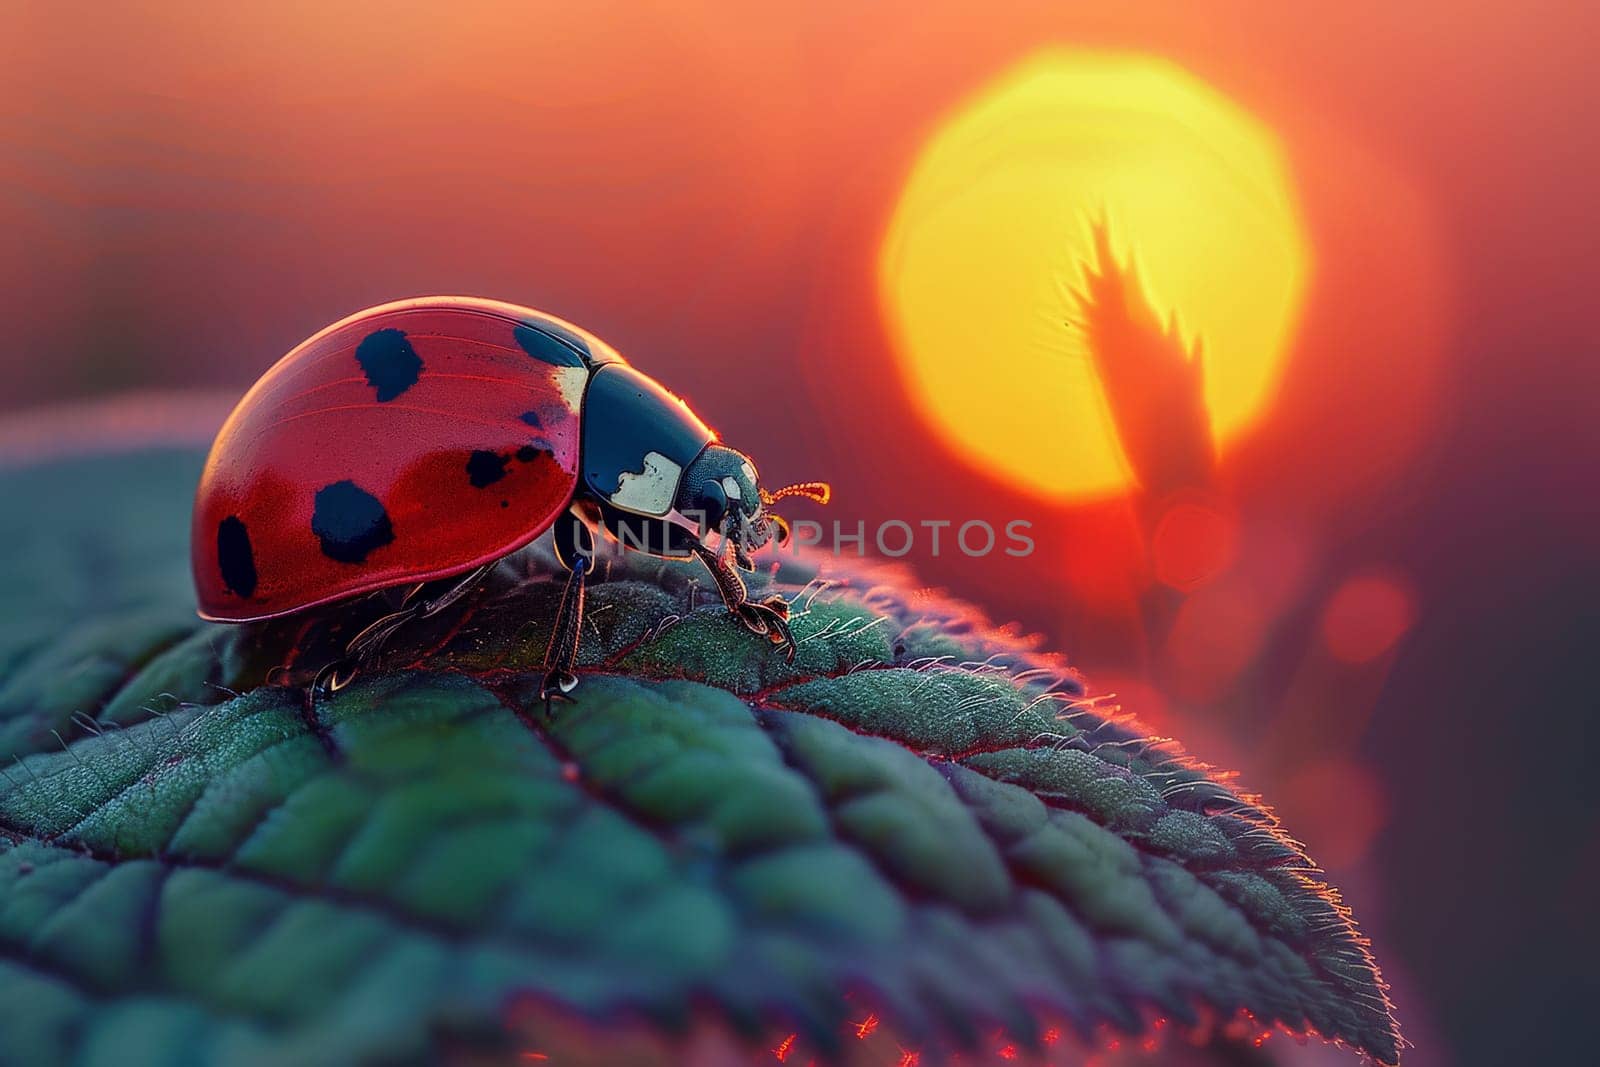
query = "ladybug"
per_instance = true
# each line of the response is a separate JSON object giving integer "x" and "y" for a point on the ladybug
{"x": 417, "y": 443}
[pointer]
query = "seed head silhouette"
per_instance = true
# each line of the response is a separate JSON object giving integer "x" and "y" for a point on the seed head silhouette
{"x": 1153, "y": 385}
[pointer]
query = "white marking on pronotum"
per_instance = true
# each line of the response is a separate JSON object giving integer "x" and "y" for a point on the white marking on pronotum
{"x": 570, "y": 382}
{"x": 651, "y": 490}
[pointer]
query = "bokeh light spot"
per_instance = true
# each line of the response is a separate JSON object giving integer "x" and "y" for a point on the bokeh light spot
{"x": 1367, "y": 616}
{"x": 1193, "y": 543}
{"x": 1217, "y": 633}
{"x": 1338, "y": 807}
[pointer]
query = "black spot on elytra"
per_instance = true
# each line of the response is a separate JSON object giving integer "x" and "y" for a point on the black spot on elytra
{"x": 350, "y": 522}
{"x": 527, "y": 453}
{"x": 532, "y": 419}
{"x": 235, "y": 558}
{"x": 485, "y": 468}
{"x": 390, "y": 363}
{"x": 556, "y": 330}
{"x": 544, "y": 346}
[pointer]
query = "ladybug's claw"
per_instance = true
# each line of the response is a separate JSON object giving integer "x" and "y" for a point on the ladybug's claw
{"x": 770, "y": 618}
{"x": 335, "y": 676}
{"x": 559, "y": 681}
{"x": 364, "y": 647}
{"x": 557, "y": 688}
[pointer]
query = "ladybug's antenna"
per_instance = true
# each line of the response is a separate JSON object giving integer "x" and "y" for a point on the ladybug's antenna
{"x": 820, "y": 492}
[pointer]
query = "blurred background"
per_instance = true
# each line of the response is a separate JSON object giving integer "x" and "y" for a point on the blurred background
{"x": 1274, "y": 321}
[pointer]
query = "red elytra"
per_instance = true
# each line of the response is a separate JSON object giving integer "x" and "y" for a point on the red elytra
{"x": 411, "y": 441}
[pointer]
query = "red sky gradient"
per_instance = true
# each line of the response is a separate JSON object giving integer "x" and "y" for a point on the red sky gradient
{"x": 187, "y": 192}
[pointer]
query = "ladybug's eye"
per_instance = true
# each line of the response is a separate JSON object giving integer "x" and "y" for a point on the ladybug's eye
{"x": 713, "y": 501}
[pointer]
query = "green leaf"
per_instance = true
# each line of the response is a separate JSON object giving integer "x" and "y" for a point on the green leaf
{"x": 914, "y": 825}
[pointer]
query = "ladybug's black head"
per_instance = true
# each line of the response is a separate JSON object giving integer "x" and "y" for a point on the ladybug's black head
{"x": 722, "y": 485}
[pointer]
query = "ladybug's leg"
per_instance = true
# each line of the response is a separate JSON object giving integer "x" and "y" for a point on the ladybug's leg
{"x": 574, "y": 544}
{"x": 369, "y": 641}
{"x": 769, "y": 617}
{"x": 366, "y": 644}
{"x": 562, "y": 651}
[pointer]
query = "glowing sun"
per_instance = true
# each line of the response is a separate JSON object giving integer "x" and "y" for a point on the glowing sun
{"x": 982, "y": 270}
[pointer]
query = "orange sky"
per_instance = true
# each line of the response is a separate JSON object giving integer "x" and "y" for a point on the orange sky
{"x": 193, "y": 194}
{"x": 187, "y": 191}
